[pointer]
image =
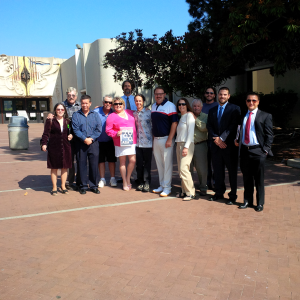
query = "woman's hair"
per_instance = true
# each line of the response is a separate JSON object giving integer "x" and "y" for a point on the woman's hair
{"x": 120, "y": 100}
{"x": 65, "y": 113}
{"x": 188, "y": 107}
{"x": 140, "y": 95}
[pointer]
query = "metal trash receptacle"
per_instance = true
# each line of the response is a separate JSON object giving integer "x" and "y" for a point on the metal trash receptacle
{"x": 18, "y": 133}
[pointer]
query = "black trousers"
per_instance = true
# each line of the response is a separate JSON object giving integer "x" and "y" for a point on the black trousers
{"x": 210, "y": 176}
{"x": 220, "y": 159}
{"x": 252, "y": 165}
{"x": 71, "y": 171}
{"x": 143, "y": 164}
{"x": 91, "y": 154}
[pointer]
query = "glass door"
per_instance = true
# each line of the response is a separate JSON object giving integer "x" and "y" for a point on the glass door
{"x": 11, "y": 108}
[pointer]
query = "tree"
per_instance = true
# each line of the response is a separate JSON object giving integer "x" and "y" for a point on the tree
{"x": 253, "y": 30}
{"x": 186, "y": 63}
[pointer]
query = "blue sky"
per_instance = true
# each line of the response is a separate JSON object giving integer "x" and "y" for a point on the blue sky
{"x": 47, "y": 28}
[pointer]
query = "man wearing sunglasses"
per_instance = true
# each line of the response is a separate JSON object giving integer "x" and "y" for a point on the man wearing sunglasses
{"x": 210, "y": 102}
{"x": 106, "y": 144}
{"x": 255, "y": 140}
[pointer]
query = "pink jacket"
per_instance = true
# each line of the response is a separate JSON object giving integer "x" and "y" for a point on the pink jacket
{"x": 114, "y": 123}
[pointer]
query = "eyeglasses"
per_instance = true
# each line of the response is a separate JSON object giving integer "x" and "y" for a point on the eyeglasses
{"x": 61, "y": 109}
{"x": 107, "y": 102}
{"x": 70, "y": 95}
{"x": 209, "y": 93}
{"x": 115, "y": 104}
{"x": 159, "y": 94}
{"x": 251, "y": 100}
{"x": 181, "y": 104}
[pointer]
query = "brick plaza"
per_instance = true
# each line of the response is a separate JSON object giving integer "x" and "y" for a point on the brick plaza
{"x": 133, "y": 245}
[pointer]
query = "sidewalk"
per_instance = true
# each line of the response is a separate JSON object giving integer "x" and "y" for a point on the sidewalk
{"x": 133, "y": 245}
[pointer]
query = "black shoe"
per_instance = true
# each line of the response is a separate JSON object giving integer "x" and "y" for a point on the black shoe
{"x": 216, "y": 197}
{"x": 82, "y": 191}
{"x": 146, "y": 188}
{"x": 72, "y": 187}
{"x": 140, "y": 187}
{"x": 259, "y": 208}
{"x": 230, "y": 201}
{"x": 244, "y": 206}
{"x": 95, "y": 191}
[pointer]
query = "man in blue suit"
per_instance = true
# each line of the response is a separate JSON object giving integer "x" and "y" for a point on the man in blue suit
{"x": 255, "y": 140}
{"x": 222, "y": 126}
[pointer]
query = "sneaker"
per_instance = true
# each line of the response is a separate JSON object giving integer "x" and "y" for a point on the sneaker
{"x": 102, "y": 183}
{"x": 165, "y": 193}
{"x": 158, "y": 190}
{"x": 146, "y": 188}
{"x": 189, "y": 198}
{"x": 140, "y": 187}
{"x": 113, "y": 182}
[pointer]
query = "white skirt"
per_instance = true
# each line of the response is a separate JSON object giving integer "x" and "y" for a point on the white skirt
{"x": 125, "y": 150}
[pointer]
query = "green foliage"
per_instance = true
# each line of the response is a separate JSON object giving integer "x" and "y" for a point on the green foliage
{"x": 188, "y": 63}
{"x": 279, "y": 104}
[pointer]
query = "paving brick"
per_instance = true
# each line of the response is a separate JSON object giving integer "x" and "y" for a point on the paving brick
{"x": 164, "y": 249}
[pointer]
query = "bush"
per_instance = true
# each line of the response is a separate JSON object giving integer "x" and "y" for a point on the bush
{"x": 279, "y": 104}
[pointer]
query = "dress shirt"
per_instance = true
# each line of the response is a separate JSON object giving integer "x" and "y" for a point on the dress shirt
{"x": 103, "y": 117}
{"x": 219, "y": 106}
{"x": 253, "y": 138}
{"x": 86, "y": 126}
{"x": 200, "y": 133}
{"x": 71, "y": 108}
{"x": 131, "y": 101}
{"x": 185, "y": 130}
{"x": 143, "y": 128}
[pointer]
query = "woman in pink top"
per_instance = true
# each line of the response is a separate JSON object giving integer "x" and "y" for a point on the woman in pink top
{"x": 115, "y": 124}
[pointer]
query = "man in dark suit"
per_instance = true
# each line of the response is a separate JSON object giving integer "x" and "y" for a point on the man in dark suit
{"x": 222, "y": 125}
{"x": 255, "y": 140}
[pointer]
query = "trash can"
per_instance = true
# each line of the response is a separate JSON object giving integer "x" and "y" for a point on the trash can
{"x": 18, "y": 133}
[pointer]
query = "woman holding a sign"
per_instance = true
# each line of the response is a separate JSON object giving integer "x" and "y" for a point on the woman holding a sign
{"x": 120, "y": 125}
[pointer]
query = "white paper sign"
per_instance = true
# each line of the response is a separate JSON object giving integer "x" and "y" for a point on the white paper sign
{"x": 126, "y": 138}
{"x": 33, "y": 105}
{"x": 43, "y": 105}
{"x": 23, "y": 113}
{"x": 42, "y": 115}
{"x": 32, "y": 115}
{"x": 8, "y": 115}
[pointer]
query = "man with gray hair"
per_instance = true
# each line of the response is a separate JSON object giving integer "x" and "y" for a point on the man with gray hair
{"x": 106, "y": 144}
{"x": 199, "y": 160}
{"x": 72, "y": 106}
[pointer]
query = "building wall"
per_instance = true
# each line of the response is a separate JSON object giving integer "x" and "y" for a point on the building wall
{"x": 290, "y": 81}
{"x": 263, "y": 81}
{"x": 68, "y": 75}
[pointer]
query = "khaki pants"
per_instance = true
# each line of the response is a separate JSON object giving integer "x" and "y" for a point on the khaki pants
{"x": 200, "y": 163}
{"x": 187, "y": 183}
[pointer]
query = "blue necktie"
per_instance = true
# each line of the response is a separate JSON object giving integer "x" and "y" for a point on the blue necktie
{"x": 220, "y": 115}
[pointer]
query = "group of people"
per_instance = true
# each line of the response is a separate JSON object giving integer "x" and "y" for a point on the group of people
{"x": 209, "y": 136}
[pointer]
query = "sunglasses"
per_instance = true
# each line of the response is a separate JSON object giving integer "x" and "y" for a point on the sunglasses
{"x": 70, "y": 95}
{"x": 181, "y": 104}
{"x": 115, "y": 104}
{"x": 107, "y": 102}
{"x": 249, "y": 100}
{"x": 209, "y": 93}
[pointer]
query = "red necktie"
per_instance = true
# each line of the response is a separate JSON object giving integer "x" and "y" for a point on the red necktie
{"x": 247, "y": 130}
